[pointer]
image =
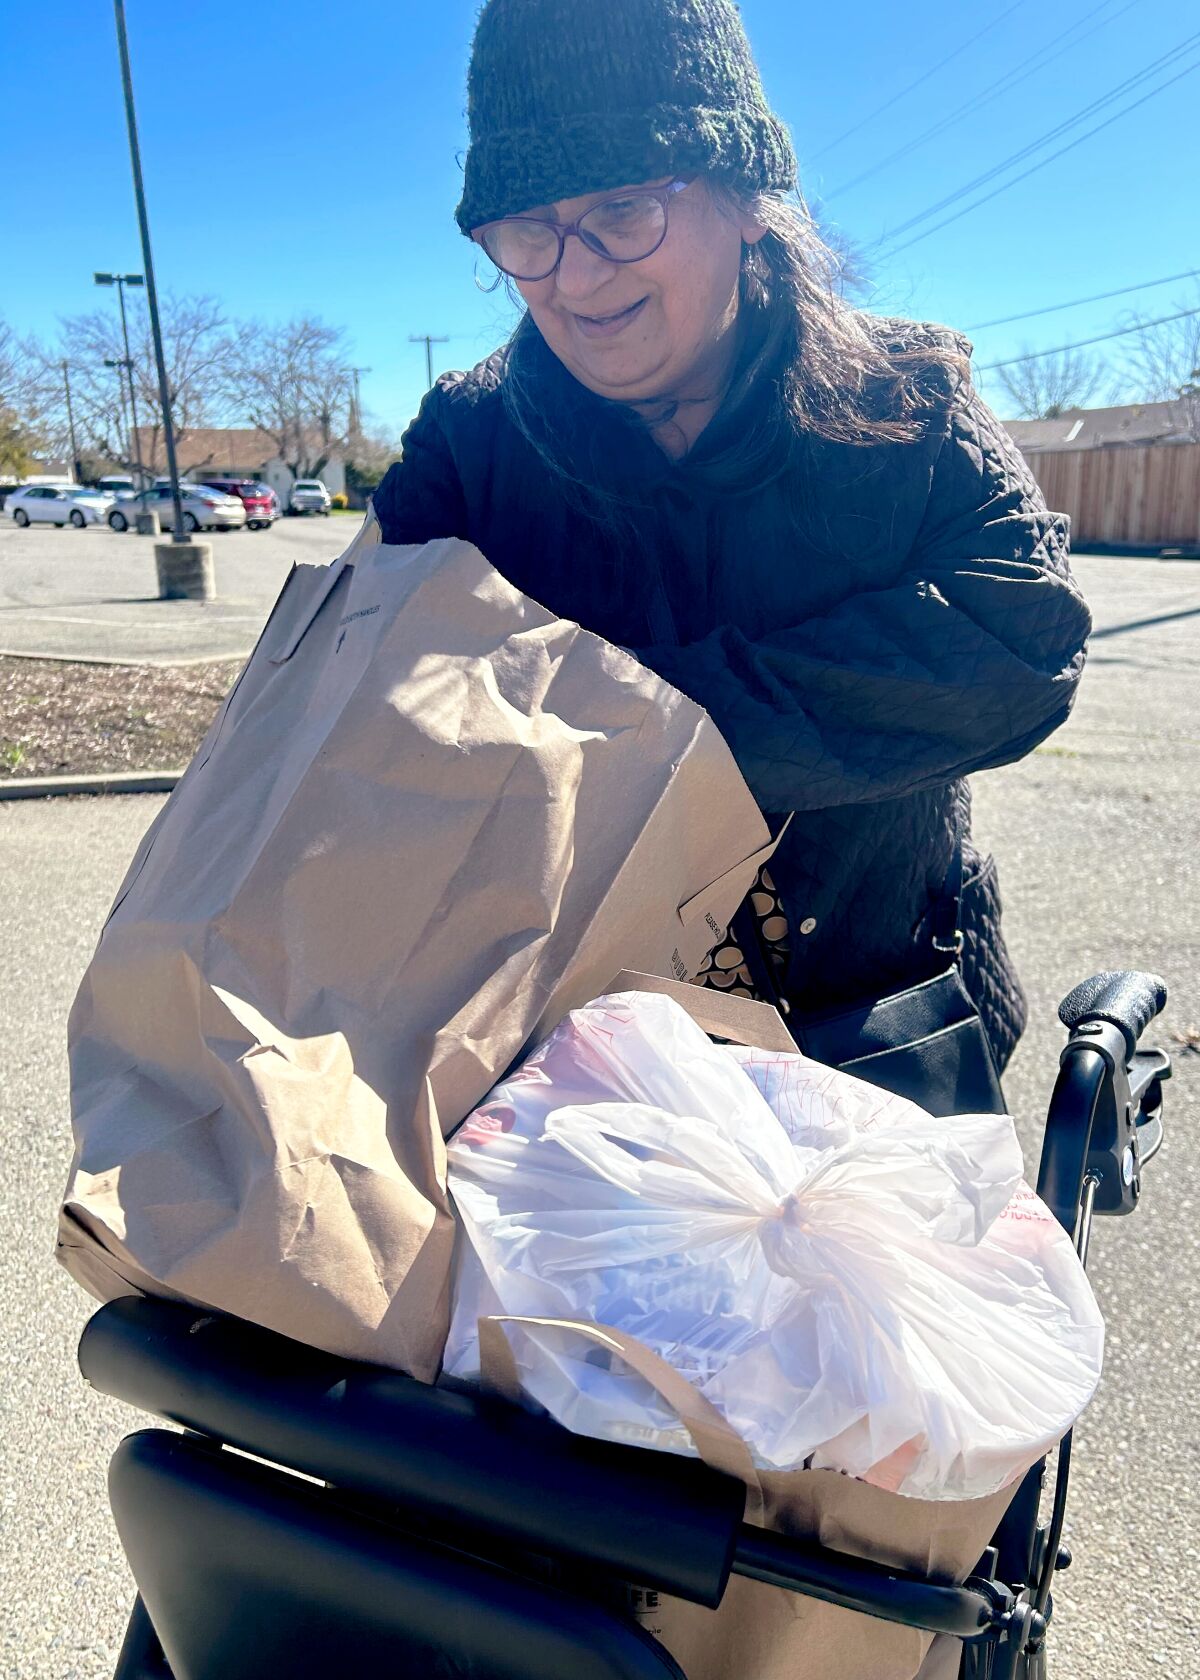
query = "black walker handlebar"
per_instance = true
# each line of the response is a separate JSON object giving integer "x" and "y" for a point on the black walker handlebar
{"x": 465, "y": 1465}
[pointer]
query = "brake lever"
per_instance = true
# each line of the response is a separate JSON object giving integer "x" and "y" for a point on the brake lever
{"x": 1148, "y": 1068}
{"x": 1146, "y": 1074}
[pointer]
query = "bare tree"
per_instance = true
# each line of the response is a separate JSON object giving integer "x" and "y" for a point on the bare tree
{"x": 26, "y": 406}
{"x": 199, "y": 352}
{"x": 1189, "y": 405}
{"x": 294, "y": 383}
{"x": 1043, "y": 387}
{"x": 1161, "y": 359}
{"x": 370, "y": 455}
{"x": 10, "y": 365}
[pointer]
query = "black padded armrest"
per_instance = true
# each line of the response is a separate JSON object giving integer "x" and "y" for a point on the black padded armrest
{"x": 467, "y": 1464}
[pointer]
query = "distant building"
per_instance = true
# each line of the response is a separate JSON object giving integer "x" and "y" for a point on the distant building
{"x": 49, "y": 469}
{"x": 1102, "y": 428}
{"x": 236, "y": 452}
{"x": 1128, "y": 477}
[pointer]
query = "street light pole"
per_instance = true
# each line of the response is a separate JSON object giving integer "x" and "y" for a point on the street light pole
{"x": 179, "y": 535}
{"x": 120, "y": 366}
{"x": 120, "y": 281}
{"x": 137, "y": 442}
{"x": 75, "y": 461}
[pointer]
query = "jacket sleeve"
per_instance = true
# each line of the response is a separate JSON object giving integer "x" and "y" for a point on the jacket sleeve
{"x": 420, "y": 497}
{"x": 966, "y": 660}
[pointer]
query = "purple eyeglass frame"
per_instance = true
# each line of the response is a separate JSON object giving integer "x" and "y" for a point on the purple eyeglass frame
{"x": 564, "y": 230}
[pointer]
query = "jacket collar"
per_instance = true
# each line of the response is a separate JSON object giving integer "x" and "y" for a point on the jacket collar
{"x": 610, "y": 447}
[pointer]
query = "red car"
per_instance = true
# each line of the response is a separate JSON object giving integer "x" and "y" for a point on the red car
{"x": 260, "y": 501}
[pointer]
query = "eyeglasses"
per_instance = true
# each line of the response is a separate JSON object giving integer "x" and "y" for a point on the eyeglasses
{"x": 623, "y": 228}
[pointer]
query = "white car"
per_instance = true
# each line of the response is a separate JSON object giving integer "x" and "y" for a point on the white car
{"x": 309, "y": 495}
{"x": 58, "y": 504}
{"x": 203, "y": 509}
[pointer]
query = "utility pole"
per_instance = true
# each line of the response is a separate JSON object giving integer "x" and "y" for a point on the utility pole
{"x": 75, "y": 461}
{"x": 179, "y": 535}
{"x": 428, "y": 340}
{"x": 355, "y": 426}
{"x": 120, "y": 281}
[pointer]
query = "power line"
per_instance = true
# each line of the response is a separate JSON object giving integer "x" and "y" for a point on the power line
{"x": 1083, "y": 343}
{"x": 1097, "y": 297}
{"x": 1064, "y": 127}
{"x": 1041, "y": 164}
{"x": 923, "y": 77}
{"x": 1027, "y": 67}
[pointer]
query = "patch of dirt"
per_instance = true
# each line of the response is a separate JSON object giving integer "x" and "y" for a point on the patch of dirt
{"x": 58, "y": 718}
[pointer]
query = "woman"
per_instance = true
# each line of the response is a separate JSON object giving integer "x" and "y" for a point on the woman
{"x": 802, "y": 516}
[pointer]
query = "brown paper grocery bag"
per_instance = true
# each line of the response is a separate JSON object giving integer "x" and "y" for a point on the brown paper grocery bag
{"x": 429, "y": 820}
{"x": 764, "y": 1633}
{"x": 761, "y": 1632}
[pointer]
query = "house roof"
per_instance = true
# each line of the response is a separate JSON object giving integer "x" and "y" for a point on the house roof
{"x": 216, "y": 446}
{"x": 1097, "y": 428}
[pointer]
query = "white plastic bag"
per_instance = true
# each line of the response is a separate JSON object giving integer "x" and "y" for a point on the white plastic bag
{"x": 854, "y": 1284}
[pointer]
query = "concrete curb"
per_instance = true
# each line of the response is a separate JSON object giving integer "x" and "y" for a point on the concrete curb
{"x": 154, "y": 662}
{"x": 116, "y": 781}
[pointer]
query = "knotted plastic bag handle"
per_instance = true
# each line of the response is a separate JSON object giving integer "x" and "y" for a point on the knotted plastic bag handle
{"x": 717, "y": 1442}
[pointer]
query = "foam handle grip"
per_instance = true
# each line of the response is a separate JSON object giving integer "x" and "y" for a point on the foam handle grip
{"x": 1128, "y": 999}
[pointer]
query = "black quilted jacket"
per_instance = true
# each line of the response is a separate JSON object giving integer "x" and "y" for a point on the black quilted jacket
{"x": 866, "y": 628}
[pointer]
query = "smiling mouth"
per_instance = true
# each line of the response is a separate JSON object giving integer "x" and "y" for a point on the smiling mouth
{"x": 603, "y": 326}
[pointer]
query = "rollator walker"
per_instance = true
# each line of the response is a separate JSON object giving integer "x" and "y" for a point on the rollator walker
{"x": 319, "y": 1519}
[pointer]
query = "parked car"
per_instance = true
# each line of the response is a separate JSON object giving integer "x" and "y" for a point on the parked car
{"x": 58, "y": 504}
{"x": 11, "y": 486}
{"x": 259, "y": 500}
{"x": 118, "y": 486}
{"x": 203, "y": 509}
{"x": 309, "y": 495}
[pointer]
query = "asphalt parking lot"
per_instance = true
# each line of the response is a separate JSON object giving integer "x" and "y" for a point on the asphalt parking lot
{"x": 93, "y": 594}
{"x": 1095, "y": 834}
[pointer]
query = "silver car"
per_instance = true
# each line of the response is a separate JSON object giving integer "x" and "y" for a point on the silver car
{"x": 58, "y": 504}
{"x": 203, "y": 509}
{"x": 309, "y": 495}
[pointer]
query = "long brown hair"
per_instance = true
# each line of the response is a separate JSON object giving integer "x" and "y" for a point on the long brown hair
{"x": 811, "y": 365}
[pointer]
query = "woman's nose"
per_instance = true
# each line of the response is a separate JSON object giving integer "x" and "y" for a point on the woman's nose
{"x": 581, "y": 270}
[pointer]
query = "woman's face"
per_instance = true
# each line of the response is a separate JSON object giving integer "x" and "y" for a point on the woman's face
{"x": 640, "y": 330}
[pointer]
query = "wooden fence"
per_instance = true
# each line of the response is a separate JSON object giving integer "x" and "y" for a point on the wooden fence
{"x": 1140, "y": 495}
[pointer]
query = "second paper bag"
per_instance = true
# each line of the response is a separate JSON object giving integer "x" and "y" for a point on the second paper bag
{"x": 430, "y": 820}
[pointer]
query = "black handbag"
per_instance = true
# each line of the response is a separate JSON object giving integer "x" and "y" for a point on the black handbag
{"x": 926, "y": 1043}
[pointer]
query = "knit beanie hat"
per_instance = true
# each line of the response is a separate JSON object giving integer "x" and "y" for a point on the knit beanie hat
{"x": 573, "y": 96}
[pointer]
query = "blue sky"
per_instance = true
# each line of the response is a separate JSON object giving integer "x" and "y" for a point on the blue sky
{"x": 302, "y": 158}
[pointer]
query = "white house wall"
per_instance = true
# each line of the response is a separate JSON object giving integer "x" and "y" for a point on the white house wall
{"x": 281, "y": 478}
